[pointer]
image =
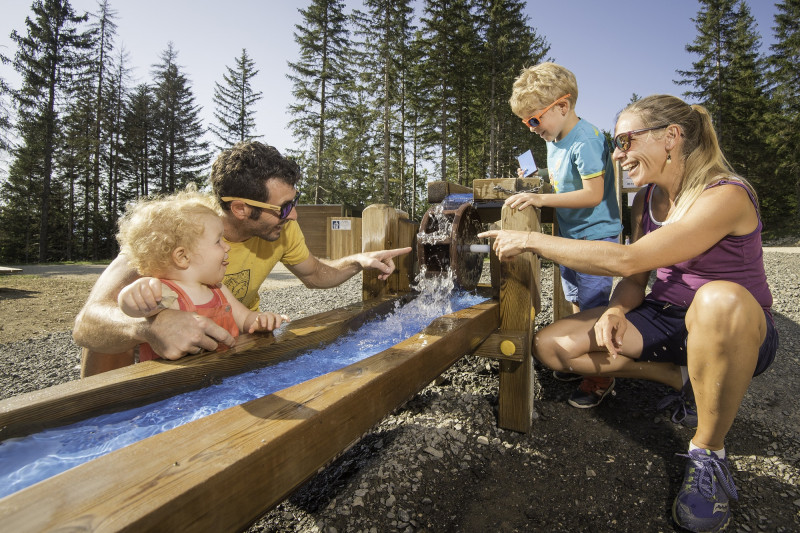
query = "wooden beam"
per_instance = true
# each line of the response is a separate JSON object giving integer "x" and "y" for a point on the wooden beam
{"x": 508, "y": 345}
{"x": 153, "y": 380}
{"x": 378, "y": 232}
{"x": 439, "y": 190}
{"x": 502, "y": 188}
{"x": 222, "y": 472}
{"x": 519, "y": 286}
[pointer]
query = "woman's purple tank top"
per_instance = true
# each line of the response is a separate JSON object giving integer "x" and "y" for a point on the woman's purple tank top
{"x": 739, "y": 259}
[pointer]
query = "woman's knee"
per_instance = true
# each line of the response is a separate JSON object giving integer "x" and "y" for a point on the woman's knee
{"x": 725, "y": 307}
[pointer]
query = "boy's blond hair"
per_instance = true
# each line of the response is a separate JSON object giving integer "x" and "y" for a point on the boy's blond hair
{"x": 152, "y": 227}
{"x": 541, "y": 85}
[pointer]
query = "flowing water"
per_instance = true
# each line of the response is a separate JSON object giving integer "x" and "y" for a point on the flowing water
{"x": 28, "y": 460}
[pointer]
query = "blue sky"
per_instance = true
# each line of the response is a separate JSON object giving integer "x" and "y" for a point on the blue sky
{"x": 614, "y": 48}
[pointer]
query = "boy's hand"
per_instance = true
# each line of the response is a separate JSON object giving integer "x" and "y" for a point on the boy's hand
{"x": 141, "y": 298}
{"x": 521, "y": 200}
{"x": 267, "y": 322}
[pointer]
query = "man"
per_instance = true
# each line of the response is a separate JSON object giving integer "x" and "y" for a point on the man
{"x": 256, "y": 188}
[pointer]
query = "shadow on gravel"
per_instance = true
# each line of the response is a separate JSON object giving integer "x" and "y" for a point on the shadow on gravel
{"x": 16, "y": 294}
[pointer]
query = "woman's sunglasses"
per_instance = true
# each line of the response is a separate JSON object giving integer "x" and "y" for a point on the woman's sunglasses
{"x": 623, "y": 140}
{"x": 535, "y": 120}
{"x": 284, "y": 209}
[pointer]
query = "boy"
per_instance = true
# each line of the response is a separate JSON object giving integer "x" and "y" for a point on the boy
{"x": 582, "y": 174}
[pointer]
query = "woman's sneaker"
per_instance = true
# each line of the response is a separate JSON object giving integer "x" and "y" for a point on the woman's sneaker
{"x": 702, "y": 503}
{"x": 566, "y": 376}
{"x": 683, "y": 405}
{"x": 591, "y": 392}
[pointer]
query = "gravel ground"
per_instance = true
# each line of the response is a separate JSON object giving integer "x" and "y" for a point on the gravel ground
{"x": 440, "y": 463}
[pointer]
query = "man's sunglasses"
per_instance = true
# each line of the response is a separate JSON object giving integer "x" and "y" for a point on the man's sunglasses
{"x": 535, "y": 120}
{"x": 623, "y": 140}
{"x": 284, "y": 209}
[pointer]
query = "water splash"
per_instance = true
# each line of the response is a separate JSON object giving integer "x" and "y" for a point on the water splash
{"x": 441, "y": 227}
{"x": 28, "y": 460}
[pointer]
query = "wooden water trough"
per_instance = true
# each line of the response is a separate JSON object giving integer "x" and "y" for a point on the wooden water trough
{"x": 222, "y": 472}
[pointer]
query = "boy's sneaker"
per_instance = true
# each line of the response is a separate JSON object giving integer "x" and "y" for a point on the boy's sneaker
{"x": 702, "y": 503}
{"x": 566, "y": 376}
{"x": 591, "y": 392}
{"x": 683, "y": 405}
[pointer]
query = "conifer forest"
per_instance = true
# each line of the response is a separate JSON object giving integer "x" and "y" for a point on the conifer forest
{"x": 385, "y": 98}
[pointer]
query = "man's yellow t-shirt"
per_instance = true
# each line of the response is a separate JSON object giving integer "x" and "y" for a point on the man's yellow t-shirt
{"x": 250, "y": 262}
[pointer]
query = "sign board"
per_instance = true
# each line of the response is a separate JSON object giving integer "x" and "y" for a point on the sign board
{"x": 341, "y": 225}
{"x": 627, "y": 183}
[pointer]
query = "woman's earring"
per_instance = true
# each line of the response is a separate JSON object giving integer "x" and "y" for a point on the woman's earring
{"x": 669, "y": 158}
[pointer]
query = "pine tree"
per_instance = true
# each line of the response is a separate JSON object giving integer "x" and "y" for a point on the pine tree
{"x": 784, "y": 140}
{"x": 47, "y": 57}
{"x": 385, "y": 31}
{"x": 449, "y": 42}
{"x": 104, "y": 28}
{"x": 139, "y": 123}
{"x": 510, "y": 44}
{"x": 728, "y": 78}
{"x": 182, "y": 154}
{"x": 319, "y": 85}
{"x": 234, "y": 103}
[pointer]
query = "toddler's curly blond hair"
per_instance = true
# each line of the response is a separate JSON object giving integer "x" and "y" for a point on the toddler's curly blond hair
{"x": 152, "y": 227}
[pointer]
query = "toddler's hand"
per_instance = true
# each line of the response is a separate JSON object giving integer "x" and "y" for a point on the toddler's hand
{"x": 267, "y": 322}
{"x": 141, "y": 298}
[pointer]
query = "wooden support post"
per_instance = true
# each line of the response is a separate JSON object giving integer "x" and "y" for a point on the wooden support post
{"x": 223, "y": 471}
{"x": 382, "y": 228}
{"x": 518, "y": 286}
{"x": 561, "y": 307}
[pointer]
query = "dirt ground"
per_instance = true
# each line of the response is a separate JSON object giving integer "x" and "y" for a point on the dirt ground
{"x": 34, "y": 304}
{"x": 609, "y": 469}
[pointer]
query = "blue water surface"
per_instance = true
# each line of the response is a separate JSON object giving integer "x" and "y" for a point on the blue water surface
{"x": 28, "y": 460}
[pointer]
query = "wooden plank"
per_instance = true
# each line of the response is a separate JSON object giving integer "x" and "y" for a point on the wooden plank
{"x": 343, "y": 236}
{"x": 313, "y": 222}
{"x": 379, "y": 231}
{"x": 502, "y": 188}
{"x": 507, "y": 345}
{"x": 147, "y": 382}
{"x": 406, "y": 266}
{"x": 221, "y": 472}
{"x": 439, "y": 190}
{"x": 561, "y": 307}
{"x": 518, "y": 286}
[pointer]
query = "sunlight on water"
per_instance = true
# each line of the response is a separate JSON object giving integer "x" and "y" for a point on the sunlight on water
{"x": 28, "y": 460}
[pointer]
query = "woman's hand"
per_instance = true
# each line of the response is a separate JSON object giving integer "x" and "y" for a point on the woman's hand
{"x": 610, "y": 329}
{"x": 507, "y": 243}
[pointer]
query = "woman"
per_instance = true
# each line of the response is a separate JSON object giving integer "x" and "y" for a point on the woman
{"x": 706, "y": 327}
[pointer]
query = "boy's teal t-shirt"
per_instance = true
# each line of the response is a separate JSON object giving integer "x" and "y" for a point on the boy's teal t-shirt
{"x": 584, "y": 154}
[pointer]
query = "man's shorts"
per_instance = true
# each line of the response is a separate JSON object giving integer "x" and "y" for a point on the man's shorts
{"x": 663, "y": 329}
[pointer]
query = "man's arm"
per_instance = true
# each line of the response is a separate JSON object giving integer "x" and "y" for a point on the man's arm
{"x": 102, "y": 327}
{"x": 318, "y": 274}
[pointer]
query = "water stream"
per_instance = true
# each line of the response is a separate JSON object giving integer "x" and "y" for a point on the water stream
{"x": 28, "y": 460}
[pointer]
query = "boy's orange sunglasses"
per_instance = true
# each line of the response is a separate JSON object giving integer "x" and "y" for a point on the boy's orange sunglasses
{"x": 535, "y": 120}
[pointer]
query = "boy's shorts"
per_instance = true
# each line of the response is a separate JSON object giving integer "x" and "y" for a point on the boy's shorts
{"x": 587, "y": 290}
{"x": 663, "y": 329}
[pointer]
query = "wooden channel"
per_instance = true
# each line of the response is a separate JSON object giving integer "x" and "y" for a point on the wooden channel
{"x": 154, "y": 380}
{"x": 222, "y": 472}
